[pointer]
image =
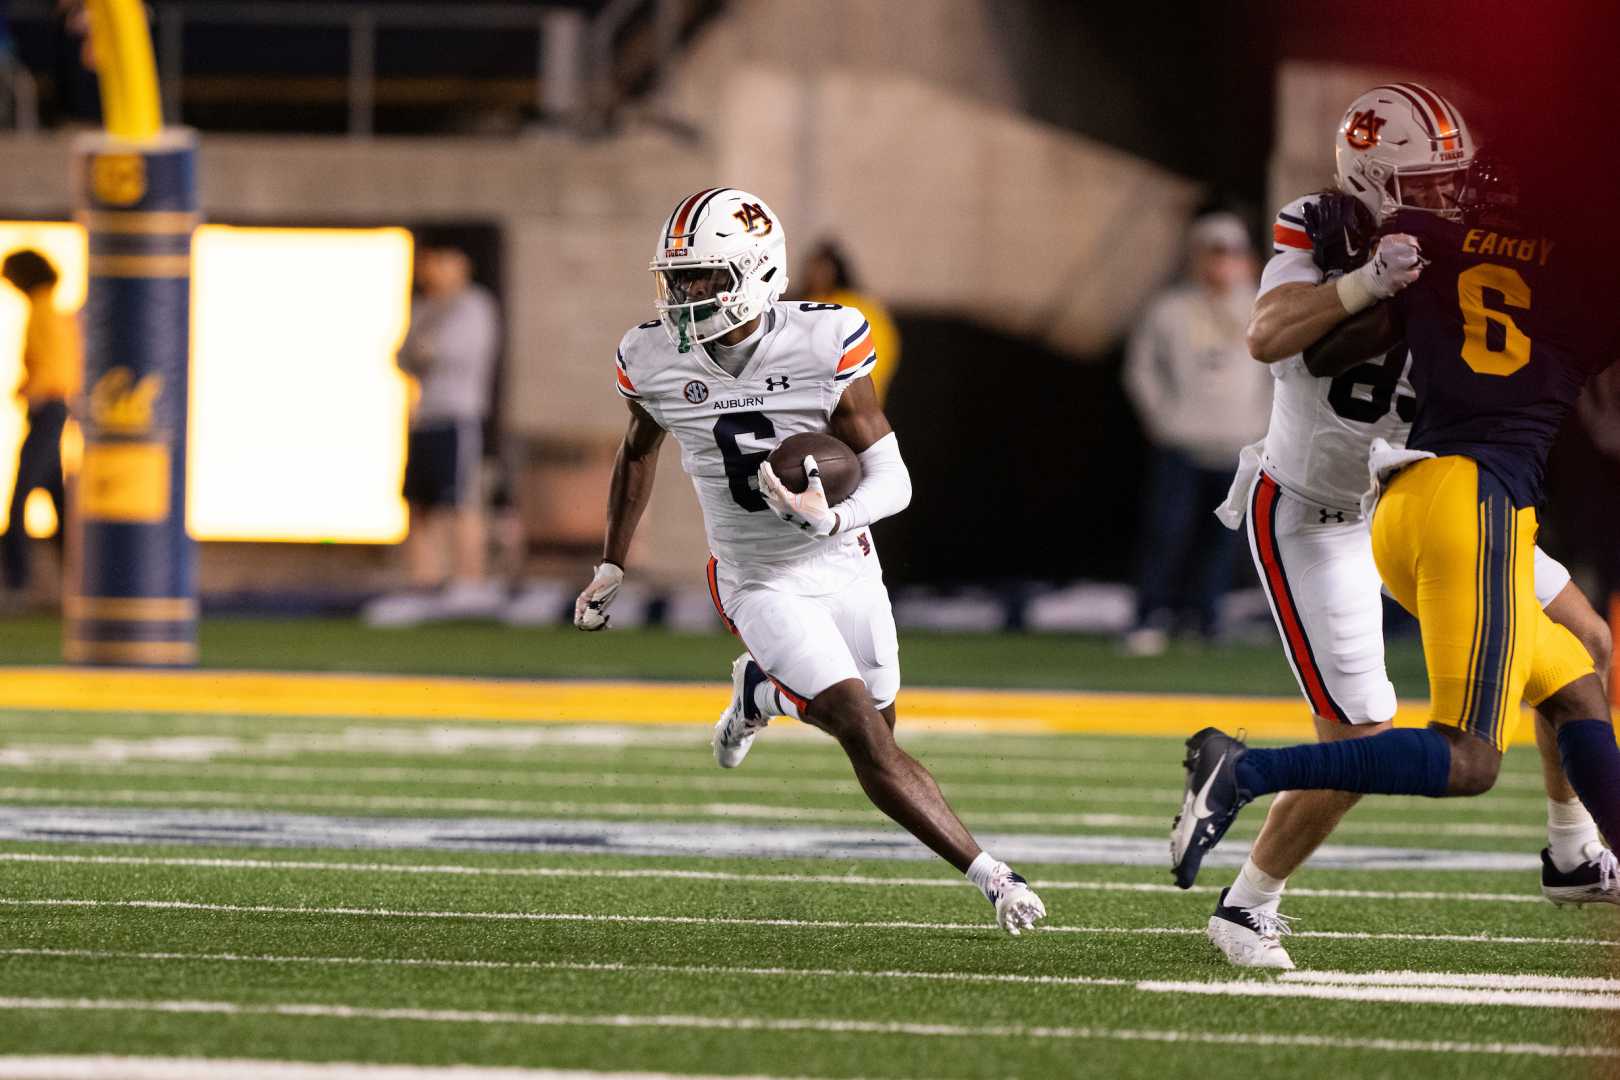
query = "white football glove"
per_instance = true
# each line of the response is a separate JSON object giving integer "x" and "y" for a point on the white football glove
{"x": 1018, "y": 908}
{"x": 590, "y": 610}
{"x": 808, "y": 510}
{"x": 1396, "y": 263}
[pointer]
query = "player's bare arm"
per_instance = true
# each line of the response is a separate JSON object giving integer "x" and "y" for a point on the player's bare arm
{"x": 859, "y": 421}
{"x": 634, "y": 468}
{"x": 1371, "y": 333}
{"x": 1292, "y": 317}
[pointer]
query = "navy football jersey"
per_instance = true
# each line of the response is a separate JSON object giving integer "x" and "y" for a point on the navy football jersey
{"x": 1505, "y": 328}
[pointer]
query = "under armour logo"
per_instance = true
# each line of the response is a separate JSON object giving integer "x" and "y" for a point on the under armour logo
{"x": 776, "y": 382}
{"x": 1336, "y": 515}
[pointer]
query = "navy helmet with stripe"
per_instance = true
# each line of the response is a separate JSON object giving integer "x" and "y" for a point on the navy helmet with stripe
{"x": 1402, "y": 146}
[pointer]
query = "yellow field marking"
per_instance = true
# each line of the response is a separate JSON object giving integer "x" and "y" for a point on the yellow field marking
{"x": 402, "y": 697}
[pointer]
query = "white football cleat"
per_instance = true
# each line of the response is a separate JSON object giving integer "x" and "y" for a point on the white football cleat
{"x": 1250, "y": 937}
{"x": 1017, "y": 906}
{"x": 735, "y": 730}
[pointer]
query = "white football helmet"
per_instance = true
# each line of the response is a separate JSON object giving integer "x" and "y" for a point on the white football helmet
{"x": 721, "y": 259}
{"x": 1403, "y": 147}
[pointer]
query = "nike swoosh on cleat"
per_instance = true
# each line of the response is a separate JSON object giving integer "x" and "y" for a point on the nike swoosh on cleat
{"x": 1200, "y": 808}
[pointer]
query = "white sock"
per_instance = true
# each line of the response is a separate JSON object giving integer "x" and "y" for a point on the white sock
{"x": 770, "y": 701}
{"x": 984, "y": 869}
{"x": 1572, "y": 835}
{"x": 1254, "y": 888}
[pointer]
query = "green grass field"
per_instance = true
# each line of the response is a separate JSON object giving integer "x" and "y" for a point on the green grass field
{"x": 605, "y": 899}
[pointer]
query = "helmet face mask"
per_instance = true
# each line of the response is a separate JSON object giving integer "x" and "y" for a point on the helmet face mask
{"x": 721, "y": 260}
{"x": 1403, "y": 147}
{"x": 1437, "y": 192}
{"x": 696, "y": 303}
{"x": 1490, "y": 194}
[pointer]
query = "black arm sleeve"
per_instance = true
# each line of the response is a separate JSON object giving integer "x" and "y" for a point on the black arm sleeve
{"x": 1373, "y": 332}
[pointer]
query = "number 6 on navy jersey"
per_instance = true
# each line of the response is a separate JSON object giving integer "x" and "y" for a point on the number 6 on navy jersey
{"x": 741, "y": 465}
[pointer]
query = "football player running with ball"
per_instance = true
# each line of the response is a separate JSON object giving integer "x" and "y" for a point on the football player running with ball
{"x": 1399, "y": 147}
{"x": 731, "y": 371}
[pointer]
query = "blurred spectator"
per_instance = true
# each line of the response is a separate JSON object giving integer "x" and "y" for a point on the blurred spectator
{"x": 1201, "y": 398}
{"x": 53, "y": 369}
{"x": 450, "y": 349}
{"x": 828, "y": 279}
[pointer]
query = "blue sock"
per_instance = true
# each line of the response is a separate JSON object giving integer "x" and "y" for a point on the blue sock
{"x": 1592, "y": 764}
{"x": 1403, "y": 761}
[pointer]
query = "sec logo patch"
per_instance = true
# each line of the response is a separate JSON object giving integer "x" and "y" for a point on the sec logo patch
{"x": 697, "y": 392}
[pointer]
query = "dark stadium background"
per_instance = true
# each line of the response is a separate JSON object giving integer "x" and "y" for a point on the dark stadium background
{"x": 1029, "y": 460}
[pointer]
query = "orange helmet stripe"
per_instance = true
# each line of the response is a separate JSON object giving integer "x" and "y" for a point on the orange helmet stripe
{"x": 1436, "y": 112}
{"x": 677, "y": 234}
{"x": 1446, "y": 126}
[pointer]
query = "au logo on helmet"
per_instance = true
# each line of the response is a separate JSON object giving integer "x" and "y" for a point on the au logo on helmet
{"x": 1362, "y": 131}
{"x": 754, "y": 219}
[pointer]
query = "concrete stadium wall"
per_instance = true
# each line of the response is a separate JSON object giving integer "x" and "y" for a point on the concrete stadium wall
{"x": 894, "y": 134}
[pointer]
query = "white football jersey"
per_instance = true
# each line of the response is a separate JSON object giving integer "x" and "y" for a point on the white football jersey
{"x": 1322, "y": 429}
{"x": 726, "y": 426}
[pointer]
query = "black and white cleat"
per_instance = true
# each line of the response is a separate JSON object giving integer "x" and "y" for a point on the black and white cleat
{"x": 1211, "y": 803}
{"x": 1596, "y": 881}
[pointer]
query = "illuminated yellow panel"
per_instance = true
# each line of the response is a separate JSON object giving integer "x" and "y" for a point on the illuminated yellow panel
{"x": 64, "y": 245}
{"x": 298, "y": 412}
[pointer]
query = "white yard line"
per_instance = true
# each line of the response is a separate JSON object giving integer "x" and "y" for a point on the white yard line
{"x": 801, "y": 1024}
{"x": 1404, "y": 995}
{"x": 660, "y": 874}
{"x": 1456, "y": 979}
{"x": 575, "y": 778}
{"x": 116, "y": 743}
{"x": 109, "y": 1067}
{"x": 709, "y": 920}
{"x": 1052, "y": 757}
{"x": 647, "y": 835}
{"x": 559, "y": 965}
{"x": 750, "y": 811}
{"x": 1073, "y": 789}
{"x": 1411, "y": 987}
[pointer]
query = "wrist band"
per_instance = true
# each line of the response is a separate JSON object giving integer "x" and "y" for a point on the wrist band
{"x": 1354, "y": 294}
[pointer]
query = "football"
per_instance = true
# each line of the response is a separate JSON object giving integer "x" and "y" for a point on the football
{"x": 840, "y": 468}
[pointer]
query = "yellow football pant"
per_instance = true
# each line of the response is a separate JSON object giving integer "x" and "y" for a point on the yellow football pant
{"x": 1454, "y": 551}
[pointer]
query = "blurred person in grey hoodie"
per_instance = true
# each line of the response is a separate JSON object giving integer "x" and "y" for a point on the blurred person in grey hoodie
{"x": 1201, "y": 399}
{"x": 450, "y": 350}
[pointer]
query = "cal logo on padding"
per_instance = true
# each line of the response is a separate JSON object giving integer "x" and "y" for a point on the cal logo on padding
{"x": 120, "y": 405}
{"x": 118, "y": 179}
{"x": 122, "y": 481}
